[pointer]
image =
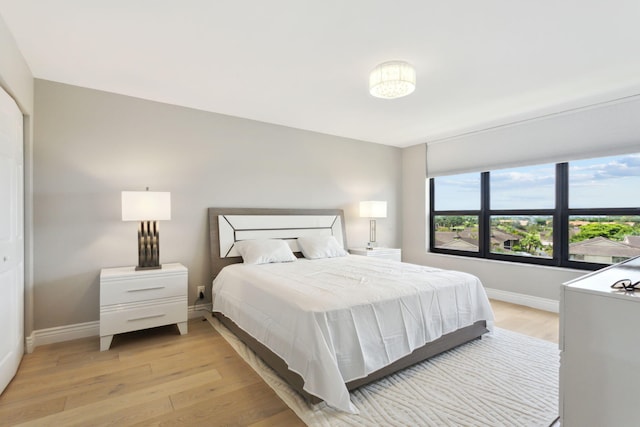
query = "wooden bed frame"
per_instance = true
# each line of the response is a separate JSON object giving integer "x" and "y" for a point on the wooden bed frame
{"x": 220, "y": 259}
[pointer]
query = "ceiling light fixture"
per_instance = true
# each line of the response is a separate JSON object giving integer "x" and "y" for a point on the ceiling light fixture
{"x": 393, "y": 79}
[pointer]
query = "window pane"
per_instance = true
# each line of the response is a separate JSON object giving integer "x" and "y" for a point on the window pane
{"x": 531, "y": 187}
{"x": 457, "y": 192}
{"x": 604, "y": 239}
{"x": 456, "y": 232}
{"x": 605, "y": 182}
{"x": 530, "y": 236}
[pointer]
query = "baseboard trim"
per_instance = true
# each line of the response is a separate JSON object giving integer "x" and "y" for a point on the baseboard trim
{"x": 523, "y": 299}
{"x": 61, "y": 334}
{"x": 89, "y": 329}
{"x": 198, "y": 310}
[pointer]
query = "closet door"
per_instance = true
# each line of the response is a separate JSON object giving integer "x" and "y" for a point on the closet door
{"x": 11, "y": 239}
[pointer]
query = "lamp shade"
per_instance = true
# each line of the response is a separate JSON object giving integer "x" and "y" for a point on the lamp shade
{"x": 146, "y": 205}
{"x": 373, "y": 209}
{"x": 393, "y": 79}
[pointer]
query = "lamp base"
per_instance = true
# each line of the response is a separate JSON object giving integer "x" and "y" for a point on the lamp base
{"x": 148, "y": 246}
{"x": 372, "y": 234}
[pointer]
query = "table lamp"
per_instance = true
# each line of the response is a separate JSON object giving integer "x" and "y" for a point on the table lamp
{"x": 371, "y": 210}
{"x": 148, "y": 207}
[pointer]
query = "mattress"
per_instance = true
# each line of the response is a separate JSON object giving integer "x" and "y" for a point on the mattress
{"x": 335, "y": 320}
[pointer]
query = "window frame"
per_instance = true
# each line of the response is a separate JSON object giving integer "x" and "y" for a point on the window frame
{"x": 560, "y": 215}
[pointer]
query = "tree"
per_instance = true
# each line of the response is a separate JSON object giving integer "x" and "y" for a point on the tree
{"x": 541, "y": 221}
{"x": 530, "y": 243}
{"x": 455, "y": 222}
{"x": 607, "y": 230}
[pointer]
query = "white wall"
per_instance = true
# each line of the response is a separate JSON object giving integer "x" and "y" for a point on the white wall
{"x": 474, "y": 152}
{"x": 91, "y": 145}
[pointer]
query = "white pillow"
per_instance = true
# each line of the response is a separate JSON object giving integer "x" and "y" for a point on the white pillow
{"x": 320, "y": 247}
{"x": 264, "y": 251}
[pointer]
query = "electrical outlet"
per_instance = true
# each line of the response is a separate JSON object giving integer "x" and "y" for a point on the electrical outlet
{"x": 200, "y": 292}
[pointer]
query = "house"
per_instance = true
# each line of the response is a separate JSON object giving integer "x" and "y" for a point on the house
{"x": 287, "y": 142}
{"x": 467, "y": 240}
{"x": 462, "y": 240}
{"x": 633, "y": 241}
{"x": 503, "y": 240}
{"x": 605, "y": 251}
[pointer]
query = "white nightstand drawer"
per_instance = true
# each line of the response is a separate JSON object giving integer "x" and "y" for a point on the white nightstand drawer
{"x": 133, "y": 299}
{"x": 142, "y": 316}
{"x": 141, "y": 289}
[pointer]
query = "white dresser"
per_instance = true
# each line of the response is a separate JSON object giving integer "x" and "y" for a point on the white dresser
{"x": 131, "y": 300}
{"x": 600, "y": 350}
{"x": 389, "y": 253}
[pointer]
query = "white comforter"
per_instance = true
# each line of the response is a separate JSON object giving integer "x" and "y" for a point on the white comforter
{"x": 338, "y": 319}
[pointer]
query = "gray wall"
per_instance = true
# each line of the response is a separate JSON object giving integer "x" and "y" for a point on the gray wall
{"x": 91, "y": 145}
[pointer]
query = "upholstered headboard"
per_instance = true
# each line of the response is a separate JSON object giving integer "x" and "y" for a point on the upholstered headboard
{"x": 230, "y": 225}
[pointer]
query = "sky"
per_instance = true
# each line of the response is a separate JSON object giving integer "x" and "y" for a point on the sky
{"x": 606, "y": 182}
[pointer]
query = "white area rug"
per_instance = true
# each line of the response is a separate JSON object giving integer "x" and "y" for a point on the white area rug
{"x": 505, "y": 379}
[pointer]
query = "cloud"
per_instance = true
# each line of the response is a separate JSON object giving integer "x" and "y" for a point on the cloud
{"x": 604, "y": 169}
{"x": 464, "y": 182}
{"x": 523, "y": 177}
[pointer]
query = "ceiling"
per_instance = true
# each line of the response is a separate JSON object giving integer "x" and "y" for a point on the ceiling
{"x": 305, "y": 64}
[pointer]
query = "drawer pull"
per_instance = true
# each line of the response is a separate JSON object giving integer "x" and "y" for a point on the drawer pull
{"x": 146, "y": 317}
{"x": 145, "y": 289}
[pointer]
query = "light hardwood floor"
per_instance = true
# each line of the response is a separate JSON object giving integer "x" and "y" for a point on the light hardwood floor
{"x": 157, "y": 377}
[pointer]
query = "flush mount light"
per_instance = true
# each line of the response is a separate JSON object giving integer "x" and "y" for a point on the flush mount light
{"x": 392, "y": 79}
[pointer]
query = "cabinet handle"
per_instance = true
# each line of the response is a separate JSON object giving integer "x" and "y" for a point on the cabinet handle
{"x": 146, "y": 317}
{"x": 145, "y": 289}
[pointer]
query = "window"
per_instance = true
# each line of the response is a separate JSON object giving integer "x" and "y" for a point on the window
{"x": 581, "y": 214}
{"x": 458, "y": 202}
{"x": 604, "y": 219}
{"x": 521, "y": 203}
{"x": 458, "y": 192}
{"x": 522, "y": 235}
{"x": 456, "y": 232}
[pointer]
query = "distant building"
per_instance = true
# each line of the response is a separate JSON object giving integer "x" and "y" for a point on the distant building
{"x": 463, "y": 240}
{"x": 504, "y": 240}
{"x": 633, "y": 241}
{"x": 467, "y": 240}
{"x": 604, "y": 251}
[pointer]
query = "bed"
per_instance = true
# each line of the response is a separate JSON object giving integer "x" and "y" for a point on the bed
{"x": 331, "y": 322}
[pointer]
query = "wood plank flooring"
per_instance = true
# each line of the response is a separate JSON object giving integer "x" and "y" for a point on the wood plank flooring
{"x": 160, "y": 378}
{"x": 527, "y": 321}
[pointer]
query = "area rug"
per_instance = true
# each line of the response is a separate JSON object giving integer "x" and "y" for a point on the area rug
{"x": 504, "y": 379}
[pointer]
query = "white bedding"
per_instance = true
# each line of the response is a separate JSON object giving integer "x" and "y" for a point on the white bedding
{"x": 338, "y": 319}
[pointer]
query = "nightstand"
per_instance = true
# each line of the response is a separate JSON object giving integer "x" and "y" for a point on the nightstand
{"x": 599, "y": 347}
{"x": 131, "y": 300}
{"x": 389, "y": 253}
